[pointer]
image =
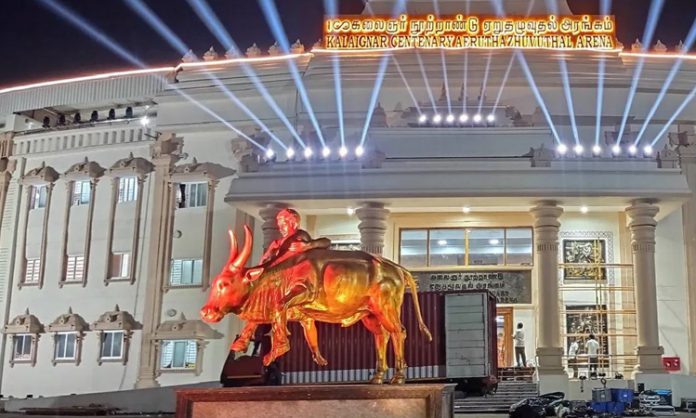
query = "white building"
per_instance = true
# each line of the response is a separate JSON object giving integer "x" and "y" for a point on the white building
{"x": 112, "y": 228}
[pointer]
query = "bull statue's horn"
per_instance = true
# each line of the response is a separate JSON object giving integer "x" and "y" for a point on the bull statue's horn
{"x": 233, "y": 247}
{"x": 243, "y": 256}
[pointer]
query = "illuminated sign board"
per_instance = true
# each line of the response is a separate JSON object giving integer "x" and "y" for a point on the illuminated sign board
{"x": 461, "y": 31}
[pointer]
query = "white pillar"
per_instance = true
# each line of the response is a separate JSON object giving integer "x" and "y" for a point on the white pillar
{"x": 642, "y": 226}
{"x": 549, "y": 348}
{"x": 373, "y": 226}
{"x": 270, "y": 226}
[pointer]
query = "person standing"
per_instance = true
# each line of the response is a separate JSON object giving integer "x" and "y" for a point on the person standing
{"x": 592, "y": 350}
{"x": 520, "y": 355}
{"x": 573, "y": 357}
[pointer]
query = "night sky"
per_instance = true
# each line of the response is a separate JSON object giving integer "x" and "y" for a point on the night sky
{"x": 36, "y": 44}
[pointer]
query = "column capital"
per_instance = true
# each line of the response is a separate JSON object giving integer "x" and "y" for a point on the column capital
{"x": 546, "y": 213}
{"x": 642, "y": 213}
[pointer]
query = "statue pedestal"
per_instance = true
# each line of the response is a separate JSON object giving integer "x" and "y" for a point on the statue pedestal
{"x": 327, "y": 401}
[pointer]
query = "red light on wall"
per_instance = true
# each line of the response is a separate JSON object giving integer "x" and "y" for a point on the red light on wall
{"x": 671, "y": 364}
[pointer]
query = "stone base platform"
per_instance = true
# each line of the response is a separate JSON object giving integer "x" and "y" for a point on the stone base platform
{"x": 325, "y": 401}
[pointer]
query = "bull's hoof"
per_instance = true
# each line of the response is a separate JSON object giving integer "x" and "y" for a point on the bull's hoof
{"x": 377, "y": 379}
{"x": 398, "y": 379}
{"x": 320, "y": 360}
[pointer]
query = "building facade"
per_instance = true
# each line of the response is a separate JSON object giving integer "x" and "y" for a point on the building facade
{"x": 113, "y": 226}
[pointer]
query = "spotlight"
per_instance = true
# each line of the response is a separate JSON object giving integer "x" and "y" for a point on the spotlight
{"x": 94, "y": 116}
{"x": 145, "y": 121}
{"x": 648, "y": 150}
{"x": 422, "y": 118}
{"x": 596, "y": 150}
{"x": 129, "y": 112}
{"x": 308, "y": 152}
{"x": 290, "y": 152}
{"x": 466, "y": 209}
{"x": 494, "y": 241}
{"x": 490, "y": 118}
{"x": 578, "y": 149}
{"x": 269, "y": 153}
{"x": 584, "y": 209}
{"x": 463, "y": 118}
{"x": 359, "y": 151}
{"x": 616, "y": 149}
{"x": 442, "y": 242}
{"x": 325, "y": 152}
{"x": 562, "y": 149}
{"x": 77, "y": 118}
{"x": 437, "y": 118}
{"x": 61, "y": 120}
{"x": 343, "y": 151}
{"x": 478, "y": 118}
{"x": 350, "y": 211}
{"x": 633, "y": 150}
{"x": 450, "y": 118}
{"x": 112, "y": 114}
{"x": 46, "y": 122}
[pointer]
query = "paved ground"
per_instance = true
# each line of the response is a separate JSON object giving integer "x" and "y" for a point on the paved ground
{"x": 4, "y": 415}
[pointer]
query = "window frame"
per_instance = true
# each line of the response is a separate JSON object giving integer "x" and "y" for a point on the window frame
{"x": 56, "y": 344}
{"x": 39, "y": 194}
{"x": 35, "y": 263}
{"x": 102, "y": 342}
{"x": 127, "y": 189}
{"x": 77, "y": 198}
{"x": 171, "y": 285}
{"x": 124, "y": 272}
{"x": 66, "y": 270}
{"x": 467, "y": 265}
{"x": 32, "y": 348}
{"x": 189, "y": 341}
{"x": 184, "y": 194}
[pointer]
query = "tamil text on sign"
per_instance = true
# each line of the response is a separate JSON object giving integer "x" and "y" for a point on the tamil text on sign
{"x": 507, "y": 286}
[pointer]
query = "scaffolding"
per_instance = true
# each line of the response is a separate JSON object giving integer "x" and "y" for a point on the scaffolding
{"x": 598, "y": 298}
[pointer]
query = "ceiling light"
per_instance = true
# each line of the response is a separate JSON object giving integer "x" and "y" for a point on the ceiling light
{"x": 422, "y": 118}
{"x": 490, "y": 118}
{"x": 450, "y": 118}
{"x": 350, "y": 211}
{"x": 463, "y": 118}
{"x": 596, "y": 150}
{"x": 144, "y": 121}
{"x": 478, "y": 118}
{"x": 325, "y": 152}
{"x": 578, "y": 149}
{"x": 343, "y": 151}
{"x": 616, "y": 149}
{"x": 584, "y": 209}
{"x": 442, "y": 242}
{"x": 359, "y": 151}
{"x": 437, "y": 118}
{"x": 633, "y": 150}
{"x": 648, "y": 150}
{"x": 290, "y": 152}
{"x": 466, "y": 209}
{"x": 270, "y": 153}
{"x": 307, "y": 152}
{"x": 562, "y": 149}
{"x": 494, "y": 241}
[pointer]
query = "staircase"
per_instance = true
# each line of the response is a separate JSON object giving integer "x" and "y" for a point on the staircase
{"x": 507, "y": 394}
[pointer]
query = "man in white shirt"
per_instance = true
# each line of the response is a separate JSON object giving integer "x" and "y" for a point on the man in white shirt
{"x": 592, "y": 350}
{"x": 520, "y": 355}
{"x": 573, "y": 357}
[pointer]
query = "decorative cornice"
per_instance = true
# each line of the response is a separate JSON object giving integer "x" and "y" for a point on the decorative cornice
{"x": 116, "y": 320}
{"x": 25, "y": 323}
{"x": 201, "y": 171}
{"x": 42, "y": 174}
{"x": 85, "y": 170}
{"x": 68, "y": 322}
{"x": 131, "y": 165}
{"x": 183, "y": 328}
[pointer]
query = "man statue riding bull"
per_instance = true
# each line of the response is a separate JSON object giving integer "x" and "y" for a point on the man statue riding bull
{"x": 300, "y": 279}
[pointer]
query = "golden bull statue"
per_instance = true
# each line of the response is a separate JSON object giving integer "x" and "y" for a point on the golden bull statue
{"x": 300, "y": 279}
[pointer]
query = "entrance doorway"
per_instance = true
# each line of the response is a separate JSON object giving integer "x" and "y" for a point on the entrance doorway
{"x": 504, "y": 331}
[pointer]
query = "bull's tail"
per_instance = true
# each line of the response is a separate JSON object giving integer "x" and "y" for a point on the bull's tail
{"x": 411, "y": 282}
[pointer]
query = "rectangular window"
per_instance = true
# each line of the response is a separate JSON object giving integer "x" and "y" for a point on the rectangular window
{"x": 112, "y": 345}
{"x": 74, "y": 268}
{"x": 127, "y": 189}
{"x": 39, "y": 195}
{"x": 186, "y": 272}
{"x": 31, "y": 271}
{"x": 120, "y": 265}
{"x": 178, "y": 355}
{"x": 82, "y": 192}
{"x": 192, "y": 195}
{"x": 455, "y": 247}
{"x": 66, "y": 346}
{"x": 22, "y": 347}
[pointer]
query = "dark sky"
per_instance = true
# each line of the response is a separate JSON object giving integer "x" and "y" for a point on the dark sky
{"x": 36, "y": 44}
